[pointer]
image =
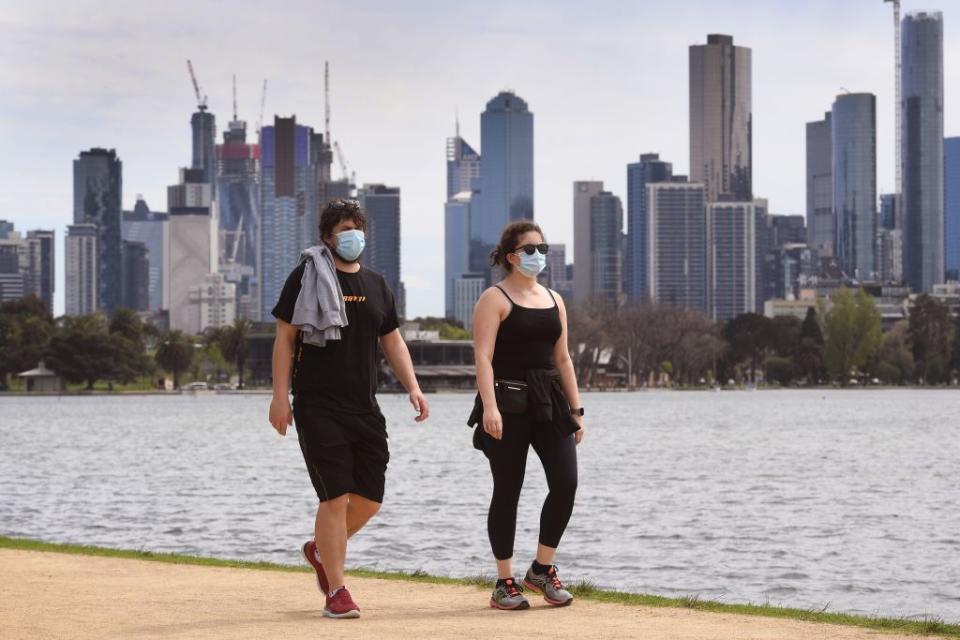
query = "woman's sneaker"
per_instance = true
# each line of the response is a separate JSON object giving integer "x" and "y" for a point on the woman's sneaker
{"x": 549, "y": 585}
{"x": 313, "y": 559}
{"x": 507, "y": 596}
{"x": 341, "y": 605}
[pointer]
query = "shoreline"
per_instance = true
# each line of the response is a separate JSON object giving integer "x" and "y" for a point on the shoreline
{"x": 582, "y": 591}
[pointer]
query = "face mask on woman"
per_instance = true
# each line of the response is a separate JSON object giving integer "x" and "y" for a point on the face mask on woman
{"x": 350, "y": 244}
{"x": 532, "y": 264}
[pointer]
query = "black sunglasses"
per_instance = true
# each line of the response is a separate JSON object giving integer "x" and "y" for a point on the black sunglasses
{"x": 528, "y": 249}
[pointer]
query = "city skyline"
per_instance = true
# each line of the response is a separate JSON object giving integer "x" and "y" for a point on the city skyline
{"x": 636, "y": 103}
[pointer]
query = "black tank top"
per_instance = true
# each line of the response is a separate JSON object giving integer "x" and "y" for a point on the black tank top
{"x": 525, "y": 340}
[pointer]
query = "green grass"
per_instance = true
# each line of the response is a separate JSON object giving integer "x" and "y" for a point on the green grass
{"x": 583, "y": 589}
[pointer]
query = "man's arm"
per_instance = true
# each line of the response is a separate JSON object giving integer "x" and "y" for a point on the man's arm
{"x": 398, "y": 357}
{"x": 281, "y": 416}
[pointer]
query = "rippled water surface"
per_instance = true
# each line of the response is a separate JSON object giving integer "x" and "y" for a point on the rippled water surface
{"x": 843, "y": 499}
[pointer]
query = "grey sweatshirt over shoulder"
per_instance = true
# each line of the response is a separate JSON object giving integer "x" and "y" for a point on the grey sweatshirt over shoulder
{"x": 319, "y": 312}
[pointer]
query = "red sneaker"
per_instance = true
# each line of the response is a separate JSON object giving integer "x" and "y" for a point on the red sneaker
{"x": 313, "y": 558}
{"x": 341, "y": 605}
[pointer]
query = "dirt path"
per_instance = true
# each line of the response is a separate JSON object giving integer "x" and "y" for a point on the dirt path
{"x": 54, "y": 595}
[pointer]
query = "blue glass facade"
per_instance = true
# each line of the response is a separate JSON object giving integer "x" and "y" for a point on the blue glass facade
{"x": 97, "y": 190}
{"x": 506, "y": 170}
{"x": 639, "y": 174}
{"x": 951, "y": 207}
{"x": 854, "y": 121}
{"x": 382, "y": 206}
{"x": 922, "y": 149}
{"x": 456, "y": 243}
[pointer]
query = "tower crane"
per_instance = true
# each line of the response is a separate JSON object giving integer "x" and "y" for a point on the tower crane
{"x": 201, "y": 99}
{"x": 899, "y": 106}
{"x": 326, "y": 101}
{"x": 342, "y": 161}
{"x": 263, "y": 105}
{"x": 234, "y": 97}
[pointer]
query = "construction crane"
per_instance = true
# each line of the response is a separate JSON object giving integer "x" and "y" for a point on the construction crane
{"x": 326, "y": 101}
{"x": 899, "y": 106}
{"x": 263, "y": 105}
{"x": 342, "y": 161}
{"x": 234, "y": 97}
{"x": 201, "y": 99}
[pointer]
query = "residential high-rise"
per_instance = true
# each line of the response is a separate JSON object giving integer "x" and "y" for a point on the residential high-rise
{"x": 456, "y": 245}
{"x": 213, "y": 301}
{"x": 606, "y": 247}
{"x": 506, "y": 174}
{"x": 677, "y": 244}
{"x": 191, "y": 249}
{"x": 382, "y": 254}
{"x": 203, "y": 127}
{"x": 922, "y": 149}
{"x": 238, "y": 202}
{"x": 889, "y": 214}
{"x": 583, "y": 192}
{"x": 40, "y": 256}
{"x": 81, "y": 257}
{"x": 152, "y": 229}
{"x": 555, "y": 274}
{"x": 649, "y": 169}
{"x": 97, "y": 191}
{"x": 136, "y": 276}
{"x": 951, "y": 208}
{"x": 466, "y": 291}
{"x": 721, "y": 118}
{"x": 821, "y": 222}
{"x": 854, "y": 136}
{"x": 736, "y": 251}
{"x": 11, "y": 269}
{"x": 287, "y": 191}
{"x": 463, "y": 165}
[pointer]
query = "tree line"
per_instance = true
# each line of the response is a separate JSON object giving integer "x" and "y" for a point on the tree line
{"x": 118, "y": 350}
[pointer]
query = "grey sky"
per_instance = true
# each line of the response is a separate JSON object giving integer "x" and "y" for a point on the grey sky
{"x": 606, "y": 81}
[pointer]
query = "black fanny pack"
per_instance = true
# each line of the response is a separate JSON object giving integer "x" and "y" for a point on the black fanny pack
{"x": 512, "y": 396}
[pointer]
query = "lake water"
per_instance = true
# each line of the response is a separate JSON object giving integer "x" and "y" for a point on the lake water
{"x": 839, "y": 499}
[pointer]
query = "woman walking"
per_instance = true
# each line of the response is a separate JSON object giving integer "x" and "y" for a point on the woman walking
{"x": 527, "y": 387}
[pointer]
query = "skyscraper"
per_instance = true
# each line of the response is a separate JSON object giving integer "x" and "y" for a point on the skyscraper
{"x": 649, "y": 169}
{"x": 382, "y": 254}
{"x": 889, "y": 216}
{"x": 191, "y": 250}
{"x": 606, "y": 247}
{"x": 40, "y": 258}
{"x": 854, "y": 135}
{"x": 736, "y": 251}
{"x": 821, "y": 223}
{"x": 456, "y": 245}
{"x": 506, "y": 174}
{"x": 11, "y": 271}
{"x": 556, "y": 271}
{"x": 583, "y": 192}
{"x": 153, "y": 230}
{"x": 463, "y": 165}
{"x": 922, "y": 159}
{"x": 97, "y": 190}
{"x": 287, "y": 191}
{"x": 721, "y": 118}
{"x": 136, "y": 276}
{"x": 677, "y": 244}
{"x": 203, "y": 127}
{"x": 82, "y": 269}
{"x": 238, "y": 203}
{"x": 951, "y": 207}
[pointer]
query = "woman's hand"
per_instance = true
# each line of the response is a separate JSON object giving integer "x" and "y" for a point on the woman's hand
{"x": 281, "y": 416}
{"x": 493, "y": 423}
{"x": 578, "y": 435}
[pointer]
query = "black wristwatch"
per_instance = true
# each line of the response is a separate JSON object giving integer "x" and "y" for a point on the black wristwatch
{"x": 577, "y": 412}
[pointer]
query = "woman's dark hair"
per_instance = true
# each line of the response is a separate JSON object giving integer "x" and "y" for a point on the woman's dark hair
{"x": 508, "y": 242}
{"x": 337, "y": 211}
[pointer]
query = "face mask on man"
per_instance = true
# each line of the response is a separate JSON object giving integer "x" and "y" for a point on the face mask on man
{"x": 350, "y": 244}
{"x": 532, "y": 264}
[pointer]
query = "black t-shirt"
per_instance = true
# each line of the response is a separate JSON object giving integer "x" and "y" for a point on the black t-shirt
{"x": 342, "y": 376}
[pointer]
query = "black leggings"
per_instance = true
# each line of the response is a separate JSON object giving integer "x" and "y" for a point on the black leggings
{"x": 508, "y": 461}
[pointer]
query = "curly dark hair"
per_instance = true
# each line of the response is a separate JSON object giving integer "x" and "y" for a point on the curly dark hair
{"x": 508, "y": 242}
{"x": 338, "y": 210}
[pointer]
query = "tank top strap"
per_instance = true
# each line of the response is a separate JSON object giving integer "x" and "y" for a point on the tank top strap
{"x": 551, "y": 297}
{"x": 505, "y": 294}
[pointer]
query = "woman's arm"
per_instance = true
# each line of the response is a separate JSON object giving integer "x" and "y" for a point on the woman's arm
{"x": 490, "y": 309}
{"x": 568, "y": 376}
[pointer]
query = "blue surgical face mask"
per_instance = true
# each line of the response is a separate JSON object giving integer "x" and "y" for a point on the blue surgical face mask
{"x": 531, "y": 265}
{"x": 350, "y": 244}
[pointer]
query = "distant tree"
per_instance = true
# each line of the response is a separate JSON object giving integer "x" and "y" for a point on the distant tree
{"x": 234, "y": 344}
{"x": 931, "y": 338}
{"x": 82, "y": 350}
{"x": 128, "y": 334}
{"x": 749, "y": 335}
{"x": 25, "y": 330}
{"x": 175, "y": 354}
{"x": 780, "y": 369}
{"x": 894, "y": 362}
{"x": 785, "y": 335}
{"x": 449, "y": 328}
{"x": 853, "y": 333}
{"x": 809, "y": 354}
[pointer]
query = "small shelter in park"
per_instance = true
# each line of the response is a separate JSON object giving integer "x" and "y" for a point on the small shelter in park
{"x": 42, "y": 379}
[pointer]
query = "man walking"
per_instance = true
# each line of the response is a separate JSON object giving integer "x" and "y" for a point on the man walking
{"x": 332, "y": 351}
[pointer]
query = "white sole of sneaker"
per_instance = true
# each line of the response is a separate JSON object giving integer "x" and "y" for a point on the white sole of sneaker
{"x": 341, "y": 616}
